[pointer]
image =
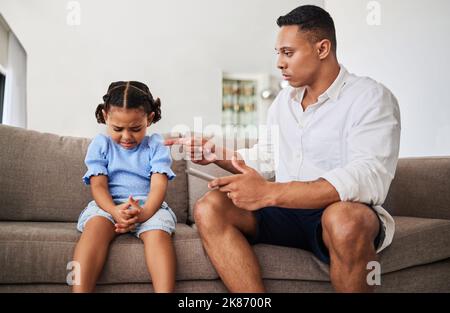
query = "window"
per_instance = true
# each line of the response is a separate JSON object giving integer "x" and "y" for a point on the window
{"x": 2, "y": 95}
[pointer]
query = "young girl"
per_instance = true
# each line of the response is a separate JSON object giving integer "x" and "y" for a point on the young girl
{"x": 128, "y": 174}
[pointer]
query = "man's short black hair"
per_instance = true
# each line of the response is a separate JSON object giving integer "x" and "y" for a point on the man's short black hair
{"x": 313, "y": 20}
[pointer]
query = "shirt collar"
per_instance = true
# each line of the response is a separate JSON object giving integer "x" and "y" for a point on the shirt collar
{"x": 335, "y": 89}
{"x": 331, "y": 93}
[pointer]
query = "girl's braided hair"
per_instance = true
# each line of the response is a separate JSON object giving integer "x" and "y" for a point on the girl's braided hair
{"x": 130, "y": 95}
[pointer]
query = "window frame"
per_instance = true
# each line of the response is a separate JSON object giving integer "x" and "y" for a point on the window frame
{"x": 2, "y": 91}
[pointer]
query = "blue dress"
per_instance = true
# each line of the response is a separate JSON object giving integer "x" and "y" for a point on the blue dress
{"x": 129, "y": 170}
{"x": 129, "y": 173}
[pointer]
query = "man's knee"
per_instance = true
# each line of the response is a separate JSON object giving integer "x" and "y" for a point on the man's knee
{"x": 208, "y": 209}
{"x": 345, "y": 224}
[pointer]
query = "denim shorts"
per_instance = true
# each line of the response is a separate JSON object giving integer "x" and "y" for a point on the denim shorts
{"x": 299, "y": 228}
{"x": 163, "y": 219}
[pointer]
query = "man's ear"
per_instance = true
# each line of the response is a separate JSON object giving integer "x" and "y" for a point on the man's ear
{"x": 151, "y": 116}
{"x": 323, "y": 48}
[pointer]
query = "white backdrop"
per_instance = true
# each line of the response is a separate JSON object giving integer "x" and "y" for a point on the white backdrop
{"x": 409, "y": 52}
{"x": 178, "y": 47}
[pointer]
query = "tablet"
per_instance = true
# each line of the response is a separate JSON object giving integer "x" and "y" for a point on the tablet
{"x": 200, "y": 174}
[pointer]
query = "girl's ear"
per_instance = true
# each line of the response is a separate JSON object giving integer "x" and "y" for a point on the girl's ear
{"x": 151, "y": 116}
{"x": 105, "y": 115}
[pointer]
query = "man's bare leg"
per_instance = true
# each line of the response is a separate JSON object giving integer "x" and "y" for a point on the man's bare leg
{"x": 349, "y": 230}
{"x": 221, "y": 226}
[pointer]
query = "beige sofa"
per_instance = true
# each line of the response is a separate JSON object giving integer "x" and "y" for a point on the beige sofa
{"x": 41, "y": 196}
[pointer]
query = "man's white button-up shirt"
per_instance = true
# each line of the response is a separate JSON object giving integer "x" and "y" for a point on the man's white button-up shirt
{"x": 350, "y": 137}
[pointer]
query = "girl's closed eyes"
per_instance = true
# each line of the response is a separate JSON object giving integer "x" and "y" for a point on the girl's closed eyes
{"x": 127, "y": 127}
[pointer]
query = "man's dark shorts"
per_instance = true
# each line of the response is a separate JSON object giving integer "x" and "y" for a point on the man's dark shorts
{"x": 299, "y": 228}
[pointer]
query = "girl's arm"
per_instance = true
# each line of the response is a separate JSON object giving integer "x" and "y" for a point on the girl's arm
{"x": 100, "y": 192}
{"x": 155, "y": 198}
{"x": 123, "y": 217}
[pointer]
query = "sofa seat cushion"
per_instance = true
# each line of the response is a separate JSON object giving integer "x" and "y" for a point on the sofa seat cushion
{"x": 38, "y": 252}
{"x": 416, "y": 241}
{"x": 32, "y": 252}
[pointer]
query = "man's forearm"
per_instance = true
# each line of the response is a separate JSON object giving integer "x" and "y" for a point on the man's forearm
{"x": 224, "y": 159}
{"x": 305, "y": 195}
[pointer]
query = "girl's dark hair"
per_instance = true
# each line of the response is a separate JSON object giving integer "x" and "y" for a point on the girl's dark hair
{"x": 130, "y": 95}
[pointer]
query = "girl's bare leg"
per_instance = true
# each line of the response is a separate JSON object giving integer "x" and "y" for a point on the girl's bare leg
{"x": 91, "y": 251}
{"x": 160, "y": 258}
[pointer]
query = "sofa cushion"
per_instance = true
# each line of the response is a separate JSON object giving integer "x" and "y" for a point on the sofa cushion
{"x": 421, "y": 188}
{"x": 416, "y": 241}
{"x": 41, "y": 177}
{"x": 33, "y": 252}
{"x": 38, "y": 252}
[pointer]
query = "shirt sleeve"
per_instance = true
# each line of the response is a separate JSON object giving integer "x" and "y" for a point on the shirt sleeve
{"x": 96, "y": 160}
{"x": 160, "y": 159}
{"x": 263, "y": 155}
{"x": 373, "y": 146}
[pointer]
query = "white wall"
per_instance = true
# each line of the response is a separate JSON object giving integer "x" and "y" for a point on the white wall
{"x": 3, "y": 42}
{"x": 178, "y": 47}
{"x": 409, "y": 53}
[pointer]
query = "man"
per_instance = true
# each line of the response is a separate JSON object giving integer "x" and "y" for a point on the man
{"x": 337, "y": 154}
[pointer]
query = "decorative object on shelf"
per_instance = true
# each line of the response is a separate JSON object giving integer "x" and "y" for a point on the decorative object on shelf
{"x": 239, "y": 102}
